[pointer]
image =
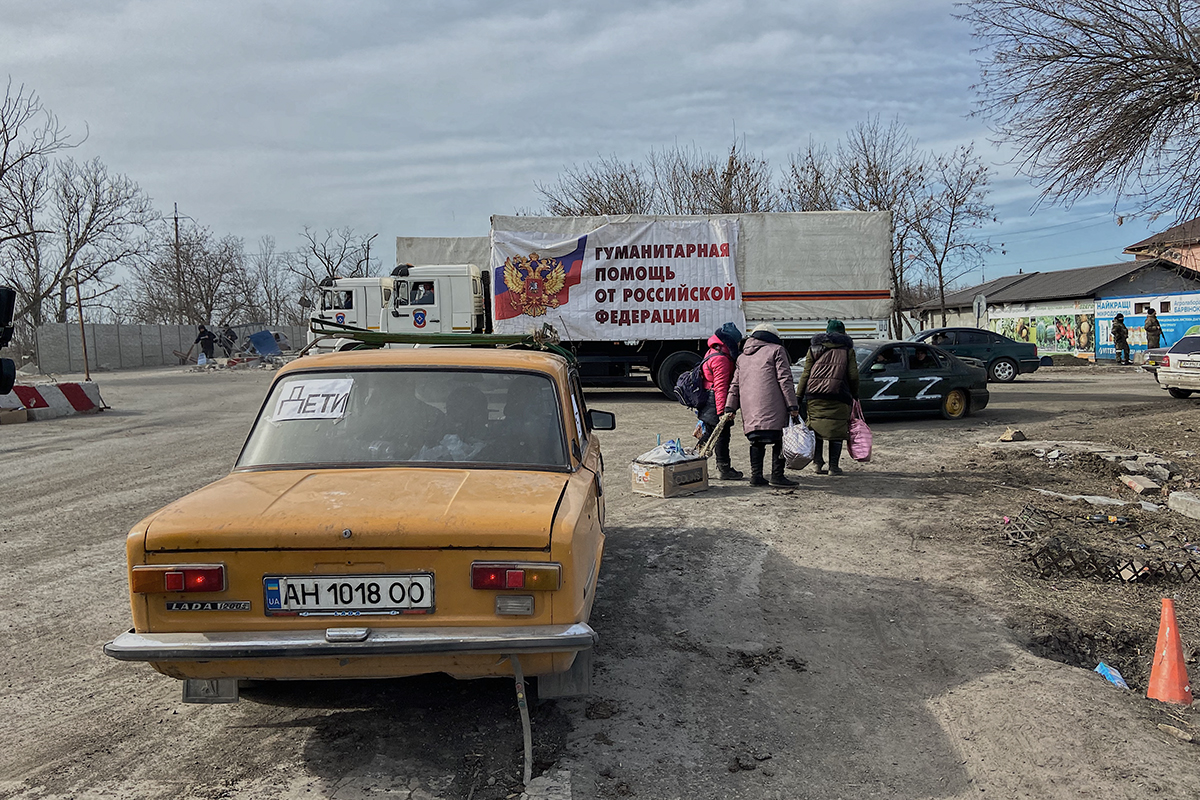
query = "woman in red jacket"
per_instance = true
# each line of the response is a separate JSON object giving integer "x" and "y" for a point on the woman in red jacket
{"x": 723, "y": 347}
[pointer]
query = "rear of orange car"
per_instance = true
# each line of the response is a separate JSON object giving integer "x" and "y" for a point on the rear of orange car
{"x": 348, "y": 569}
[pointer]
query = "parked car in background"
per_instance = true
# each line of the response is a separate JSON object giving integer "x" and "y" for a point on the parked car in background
{"x": 1004, "y": 358}
{"x": 897, "y": 378}
{"x": 393, "y": 512}
{"x": 1179, "y": 368}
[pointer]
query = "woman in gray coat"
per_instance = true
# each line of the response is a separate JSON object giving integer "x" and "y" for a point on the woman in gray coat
{"x": 762, "y": 388}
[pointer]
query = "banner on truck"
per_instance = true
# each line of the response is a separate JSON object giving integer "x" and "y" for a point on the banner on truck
{"x": 621, "y": 281}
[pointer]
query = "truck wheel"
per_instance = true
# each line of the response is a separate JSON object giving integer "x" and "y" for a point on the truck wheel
{"x": 1004, "y": 370}
{"x": 671, "y": 368}
{"x": 1179, "y": 394}
{"x": 955, "y": 404}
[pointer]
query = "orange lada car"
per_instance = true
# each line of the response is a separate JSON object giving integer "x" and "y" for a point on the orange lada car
{"x": 392, "y": 512}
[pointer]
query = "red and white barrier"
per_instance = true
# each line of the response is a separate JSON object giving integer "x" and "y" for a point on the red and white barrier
{"x": 53, "y": 400}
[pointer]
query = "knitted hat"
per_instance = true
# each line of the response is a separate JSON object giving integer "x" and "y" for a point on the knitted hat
{"x": 730, "y": 335}
{"x": 766, "y": 327}
{"x": 835, "y": 326}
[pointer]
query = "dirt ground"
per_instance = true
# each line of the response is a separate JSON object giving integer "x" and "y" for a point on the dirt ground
{"x": 877, "y": 634}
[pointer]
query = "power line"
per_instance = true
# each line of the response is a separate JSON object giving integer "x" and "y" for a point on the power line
{"x": 1059, "y": 258}
{"x": 1104, "y": 217}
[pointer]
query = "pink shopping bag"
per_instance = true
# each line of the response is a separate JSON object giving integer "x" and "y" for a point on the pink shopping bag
{"x": 860, "y": 435}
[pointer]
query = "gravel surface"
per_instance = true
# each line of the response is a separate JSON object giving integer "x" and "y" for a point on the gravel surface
{"x": 870, "y": 635}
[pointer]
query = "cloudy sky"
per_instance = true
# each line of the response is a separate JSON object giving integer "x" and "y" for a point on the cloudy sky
{"x": 425, "y": 118}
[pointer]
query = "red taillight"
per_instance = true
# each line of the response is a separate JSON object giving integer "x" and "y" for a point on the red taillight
{"x": 485, "y": 576}
{"x": 204, "y": 579}
{"x": 1166, "y": 361}
{"x": 528, "y": 576}
{"x": 178, "y": 578}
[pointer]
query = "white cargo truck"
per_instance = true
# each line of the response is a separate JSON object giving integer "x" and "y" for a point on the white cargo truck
{"x": 635, "y": 297}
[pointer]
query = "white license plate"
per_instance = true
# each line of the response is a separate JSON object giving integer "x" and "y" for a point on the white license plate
{"x": 1190, "y": 364}
{"x": 348, "y": 595}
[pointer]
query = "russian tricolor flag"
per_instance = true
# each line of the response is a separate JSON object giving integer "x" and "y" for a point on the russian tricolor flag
{"x": 503, "y": 306}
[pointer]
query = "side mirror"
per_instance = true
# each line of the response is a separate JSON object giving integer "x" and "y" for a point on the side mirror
{"x": 878, "y": 367}
{"x": 395, "y": 313}
{"x": 305, "y": 302}
{"x": 602, "y": 420}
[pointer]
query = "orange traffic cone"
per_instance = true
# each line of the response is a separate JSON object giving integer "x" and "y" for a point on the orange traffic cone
{"x": 1168, "y": 675}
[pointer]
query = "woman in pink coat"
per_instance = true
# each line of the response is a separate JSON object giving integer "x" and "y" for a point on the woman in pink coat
{"x": 718, "y": 369}
{"x": 762, "y": 388}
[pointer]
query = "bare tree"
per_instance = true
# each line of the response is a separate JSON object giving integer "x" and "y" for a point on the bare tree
{"x": 28, "y": 133}
{"x": 812, "y": 181}
{"x": 954, "y": 206}
{"x": 1097, "y": 95}
{"x": 339, "y": 253}
{"x": 194, "y": 279}
{"x": 608, "y": 186}
{"x": 675, "y": 180}
{"x": 273, "y": 292}
{"x": 75, "y": 222}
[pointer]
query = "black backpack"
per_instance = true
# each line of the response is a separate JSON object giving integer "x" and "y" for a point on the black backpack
{"x": 689, "y": 389}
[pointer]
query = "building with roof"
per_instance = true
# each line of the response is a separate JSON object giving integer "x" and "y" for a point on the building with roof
{"x": 1180, "y": 244}
{"x": 1071, "y": 310}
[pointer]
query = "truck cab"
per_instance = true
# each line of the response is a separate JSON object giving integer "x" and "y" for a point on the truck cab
{"x": 429, "y": 299}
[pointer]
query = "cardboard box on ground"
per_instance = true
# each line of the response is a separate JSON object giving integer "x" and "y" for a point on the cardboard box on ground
{"x": 671, "y": 480}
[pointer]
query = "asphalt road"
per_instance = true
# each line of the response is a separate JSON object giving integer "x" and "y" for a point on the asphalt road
{"x": 753, "y": 643}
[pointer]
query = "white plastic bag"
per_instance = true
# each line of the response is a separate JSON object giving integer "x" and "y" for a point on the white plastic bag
{"x": 799, "y": 442}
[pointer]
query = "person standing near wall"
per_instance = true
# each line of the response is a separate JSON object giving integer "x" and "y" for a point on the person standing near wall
{"x": 1153, "y": 330}
{"x": 206, "y": 339}
{"x": 1120, "y": 338}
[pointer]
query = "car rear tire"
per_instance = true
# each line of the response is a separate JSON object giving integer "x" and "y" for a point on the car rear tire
{"x": 671, "y": 368}
{"x": 1179, "y": 394}
{"x": 955, "y": 404}
{"x": 1004, "y": 370}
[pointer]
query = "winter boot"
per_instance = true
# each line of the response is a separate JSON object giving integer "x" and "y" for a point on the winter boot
{"x": 818, "y": 457}
{"x": 778, "y": 479}
{"x": 757, "y": 453}
{"x": 726, "y": 472}
{"x": 835, "y": 454}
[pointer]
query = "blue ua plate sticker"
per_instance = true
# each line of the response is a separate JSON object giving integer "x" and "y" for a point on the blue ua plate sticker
{"x": 272, "y": 590}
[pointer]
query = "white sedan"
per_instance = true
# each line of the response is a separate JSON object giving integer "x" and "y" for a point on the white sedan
{"x": 1179, "y": 370}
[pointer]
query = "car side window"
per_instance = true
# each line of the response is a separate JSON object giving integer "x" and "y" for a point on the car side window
{"x": 889, "y": 361}
{"x": 921, "y": 358}
{"x": 401, "y": 293}
{"x": 943, "y": 338}
{"x": 580, "y": 409}
{"x": 422, "y": 294}
{"x": 973, "y": 337}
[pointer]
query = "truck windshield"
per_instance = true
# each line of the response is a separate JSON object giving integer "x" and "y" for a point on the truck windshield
{"x": 409, "y": 417}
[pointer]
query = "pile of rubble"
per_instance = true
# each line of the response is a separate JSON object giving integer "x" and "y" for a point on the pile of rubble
{"x": 242, "y": 362}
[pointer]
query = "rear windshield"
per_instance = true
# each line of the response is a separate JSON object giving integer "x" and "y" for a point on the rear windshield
{"x": 409, "y": 417}
{"x": 1188, "y": 344}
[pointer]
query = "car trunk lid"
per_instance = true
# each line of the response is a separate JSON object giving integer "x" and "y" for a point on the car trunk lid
{"x": 380, "y": 507}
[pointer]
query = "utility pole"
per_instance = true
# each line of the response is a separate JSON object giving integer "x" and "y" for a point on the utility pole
{"x": 87, "y": 370}
{"x": 367, "y": 265}
{"x": 178, "y": 274}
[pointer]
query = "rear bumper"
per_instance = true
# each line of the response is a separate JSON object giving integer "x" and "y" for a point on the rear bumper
{"x": 159, "y": 647}
{"x": 1170, "y": 377}
{"x": 1030, "y": 365}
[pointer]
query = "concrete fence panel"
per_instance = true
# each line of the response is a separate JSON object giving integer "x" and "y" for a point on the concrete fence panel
{"x": 110, "y": 346}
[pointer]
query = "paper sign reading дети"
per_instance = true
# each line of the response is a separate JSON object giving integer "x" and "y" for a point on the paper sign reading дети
{"x": 314, "y": 399}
